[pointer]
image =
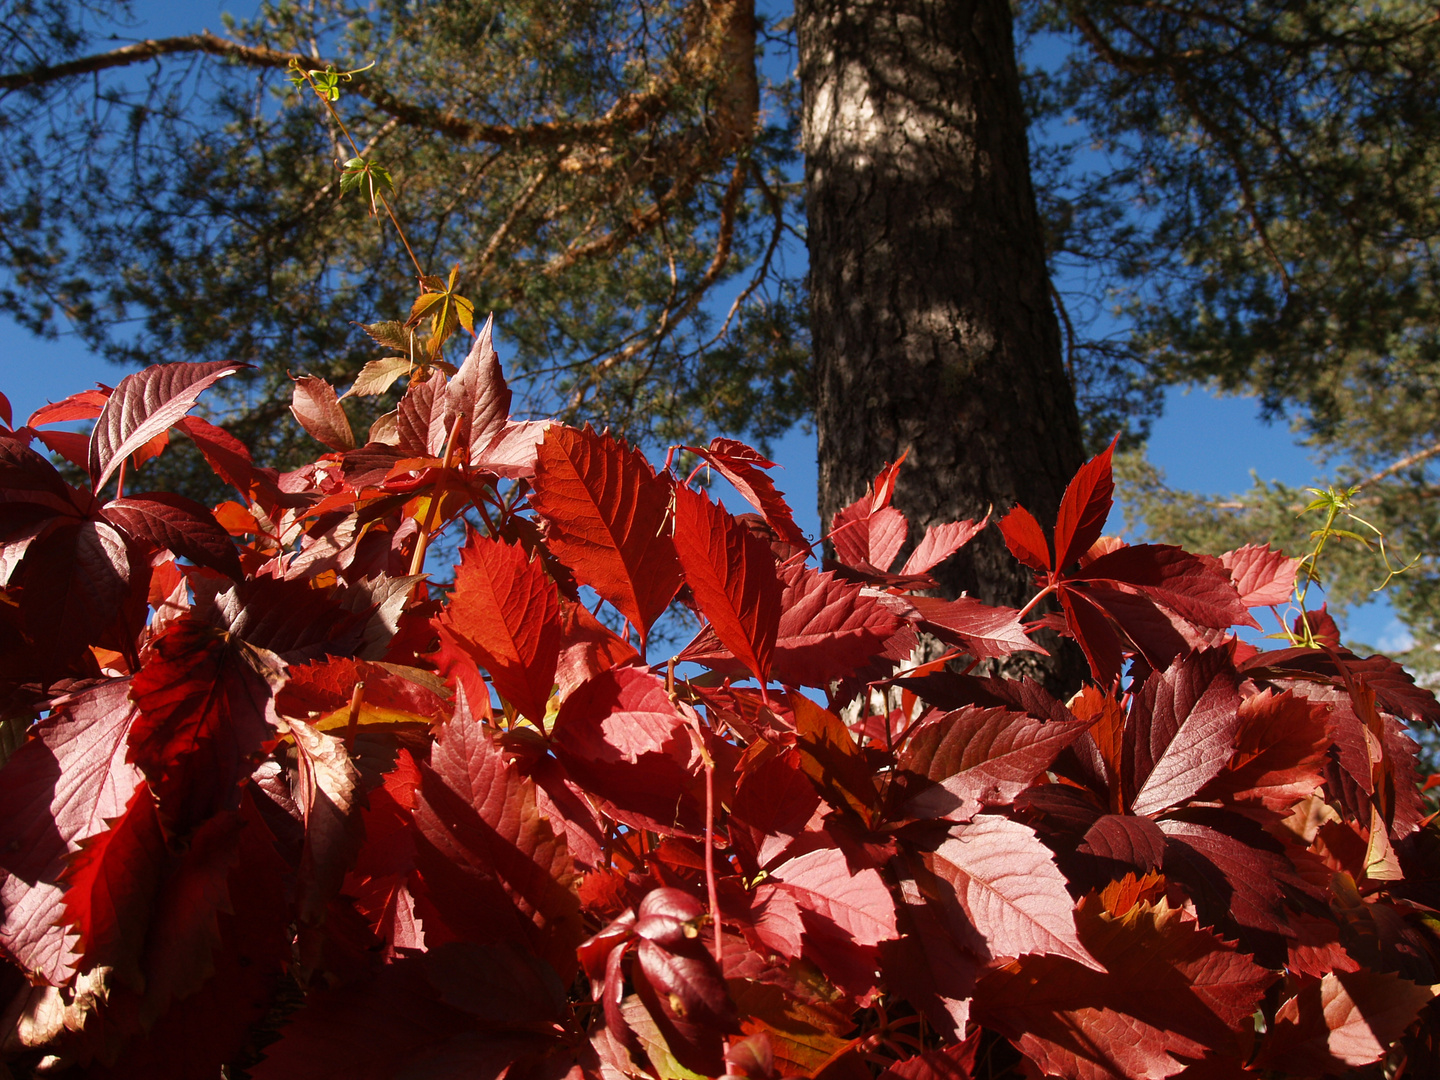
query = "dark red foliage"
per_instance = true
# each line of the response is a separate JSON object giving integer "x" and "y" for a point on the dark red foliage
{"x": 286, "y": 808}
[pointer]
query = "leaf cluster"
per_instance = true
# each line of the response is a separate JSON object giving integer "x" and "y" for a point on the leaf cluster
{"x": 274, "y": 800}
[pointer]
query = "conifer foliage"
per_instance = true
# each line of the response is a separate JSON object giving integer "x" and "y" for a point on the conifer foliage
{"x": 274, "y": 800}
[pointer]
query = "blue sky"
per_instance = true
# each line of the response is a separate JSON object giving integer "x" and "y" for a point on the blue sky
{"x": 1203, "y": 443}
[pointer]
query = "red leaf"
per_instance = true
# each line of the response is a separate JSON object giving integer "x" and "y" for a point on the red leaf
{"x": 1195, "y": 587}
{"x": 1181, "y": 731}
{"x": 732, "y": 574}
{"x": 205, "y": 707}
{"x": 621, "y": 738}
{"x": 779, "y": 921}
{"x": 515, "y": 450}
{"x": 953, "y": 1062}
{"x": 71, "y": 445}
{"x": 421, "y": 419}
{"x": 1026, "y": 539}
{"x": 822, "y": 885}
{"x": 215, "y": 945}
{"x": 1394, "y": 687}
{"x": 182, "y": 931}
{"x": 1171, "y": 989}
{"x": 589, "y": 647}
{"x": 1323, "y": 627}
{"x": 5, "y": 413}
{"x": 1234, "y": 871}
{"x": 832, "y": 760}
{"x": 231, "y": 461}
{"x": 23, "y": 470}
{"x": 505, "y": 612}
{"x": 870, "y": 532}
{"x": 1341, "y": 1021}
{"x": 145, "y": 404}
{"x": 314, "y": 404}
{"x": 110, "y": 885}
{"x": 300, "y": 622}
{"x": 928, "y": 968}
{"x": 1098, "y": 640}
{"x": 828, "y": 630}
{"x": 940, "y": 542}
{"x": 1316, "y": 949}
{"x": 742, "y": 467}
{"x": 606, "y": 511}
{"x": 1084, "y": 508}
{"x": 981, "y": 757}
{"x": 85, "y": 405}
{"x": 1147, "y": 628}
{"x": 493, "y": 867}
{"x": 325, "y": 788}
{"x": 1280, "y": 752}
{"x": 478, "y": 395}
{"x": 679, "y": 981}
{"x": 384, "y": 870}
{"x": 773, "y": 803}
{"x": 804, "y": 1034}
{"x": 460, "y": 1010}
{"x": 328, "y": 685}
{"x": 872, "y": 540}
{"x": 74, "y": 582}
{"x": 985, "y": 632}
{"x": 57, "y": 790}
{"x": 176, "y": 524}
{"x": 1137, "y": 842}
{"x": 1263, "y": 576}
{"x": 1006, "y": 896}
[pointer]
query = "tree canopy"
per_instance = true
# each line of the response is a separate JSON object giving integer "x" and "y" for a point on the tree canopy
{"x": 1244, "y": 198}
{"x": 595, "y": 171}
{"x": 1253, "y": 197}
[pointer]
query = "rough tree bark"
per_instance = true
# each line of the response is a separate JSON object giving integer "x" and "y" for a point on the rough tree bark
{"x": 931, "y": 322}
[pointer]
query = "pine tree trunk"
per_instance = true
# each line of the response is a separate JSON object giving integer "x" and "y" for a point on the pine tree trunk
{"x": 932, "y": 327}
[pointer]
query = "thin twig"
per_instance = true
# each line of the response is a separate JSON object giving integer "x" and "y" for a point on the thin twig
{"x": 1403, "y": 463}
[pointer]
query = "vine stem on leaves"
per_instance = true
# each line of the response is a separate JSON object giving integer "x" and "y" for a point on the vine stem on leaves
{"x": 352, "y": 725}
{"x": 712, "y": 894}
{"x": 1035, "y": 600}
{"x": 324, "y": 97}
{"x": 432, "y": 512}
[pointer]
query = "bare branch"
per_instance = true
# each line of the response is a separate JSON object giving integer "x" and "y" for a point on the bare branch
{"x": 1404, "y": 463}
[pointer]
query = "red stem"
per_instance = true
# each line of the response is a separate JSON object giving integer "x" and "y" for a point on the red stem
{"x": 710, "y": 891}
{"x": 1035, "y": 600}
{"x": 357, "y": 696}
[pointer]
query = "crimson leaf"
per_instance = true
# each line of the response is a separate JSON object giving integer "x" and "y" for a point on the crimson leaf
{"x": 505, "y": 612}
{"x": 732, "y": 574}
{"x": 145, "y": 404}
{"x": 205, "y": 707}
{"x": 493, "y": 867}
{"x": 176, "y": 524}
{"x": 1181, "y": 730}
{"x": 742, "y": 466}
{"x": 981, "y": 757}
{"x": 59, "y": 788}
{"x": 314, "y": 404}
{"x": 1084, "y": 508}
{"x": 1005, "y": 896}
{"x": 621, "y": 737}
{"x": 607, "y": 512}
{"x": 1171, "y": 989}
